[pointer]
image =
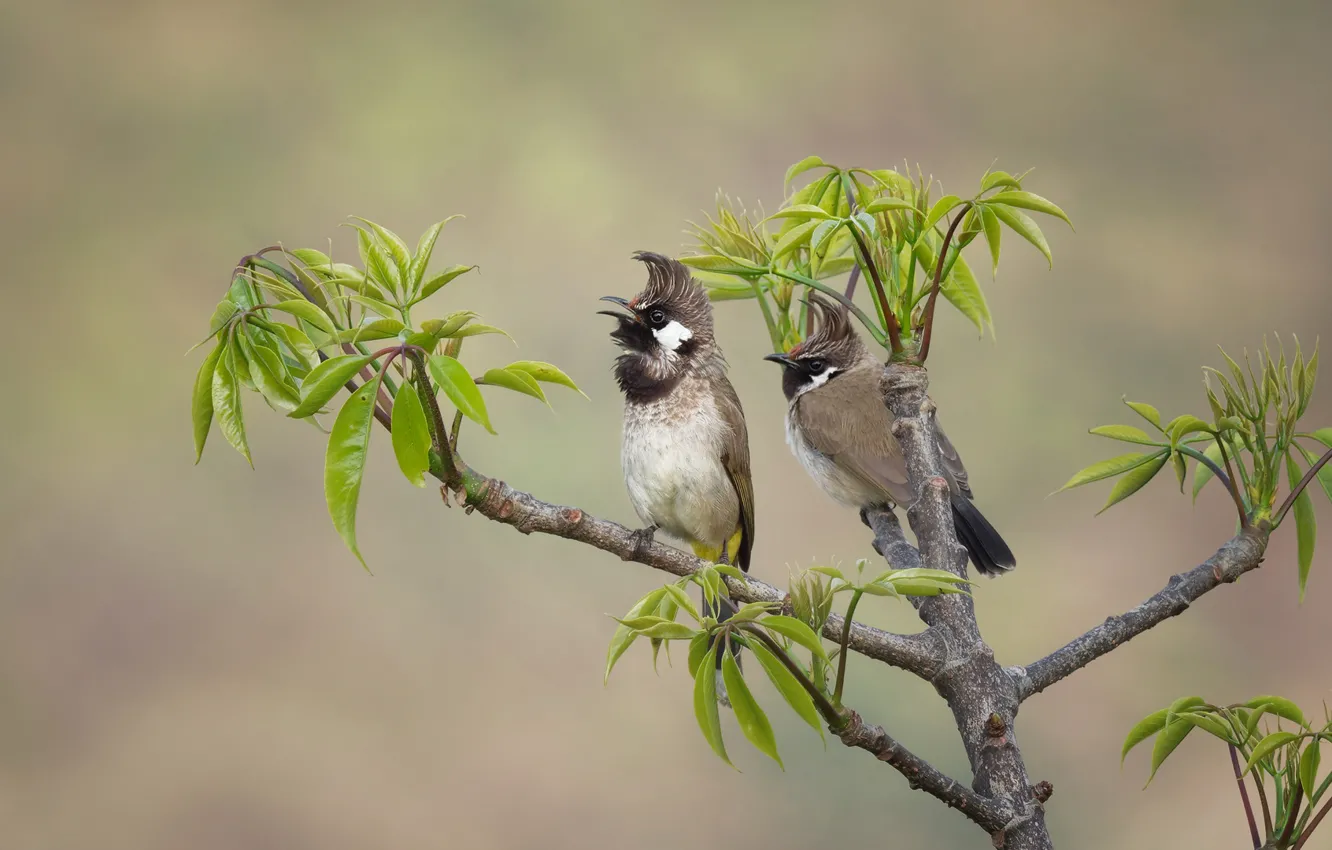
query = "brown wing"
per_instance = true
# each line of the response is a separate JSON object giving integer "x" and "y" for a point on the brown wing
{"x": 735, "y": 457}
{"x": 848, "y": 423}
{"x": 952, "y": 462}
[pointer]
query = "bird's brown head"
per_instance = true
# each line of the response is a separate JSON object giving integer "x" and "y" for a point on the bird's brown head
{"x": 832, "y": 349}
{"x": 665, "y": 328}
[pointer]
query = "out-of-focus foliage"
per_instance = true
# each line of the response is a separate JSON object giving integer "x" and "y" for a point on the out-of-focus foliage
{"x": 278, "y": 323}
{"x": 1287, "y": 759}
{"x": 1253, "y": 442}
{"x": 877, "y": 223}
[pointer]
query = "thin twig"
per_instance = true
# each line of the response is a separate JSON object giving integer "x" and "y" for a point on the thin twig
{"x": 1221, "y": 476}
{"x": 928, "y": 322}
{"x": 846, "y": 637}
{"x": 1299, "y": 488}
{"x": 1244, "y": 795}
{"x": 889, "y": 317}
{"x": 452, "y": 475}
{"x": 1322, "y": 813}
{"x": 1298, "y": 791}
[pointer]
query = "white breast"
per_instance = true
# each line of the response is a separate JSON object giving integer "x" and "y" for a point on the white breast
{"x": 674, "y": 473}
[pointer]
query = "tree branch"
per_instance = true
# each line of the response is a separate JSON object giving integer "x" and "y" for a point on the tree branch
{"x": 921, "y": 653}
{"x": 1239, "y": 555}
{"x": 982, "y": 695}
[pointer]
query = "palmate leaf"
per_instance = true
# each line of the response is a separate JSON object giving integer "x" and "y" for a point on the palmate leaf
{"x": 439, "y": 281}
{"x": 325, "y": 380}
{"x": 1267, "y": 746}
{"x": 1109, "y": 468}
{"x": 202, "y": 403}
{"x": 1134, "y": 480}
{"x": 424, "y": 248}
{"x": 625, "y": 636}
{"x": 1125, "y": 434}
{"x": 458, "y": 385}
{"x": 964, "y": 293}
{"x": 799, "y": 168}
{"x": 1021, "y": 224}
{"x": 344, "y": 463}
{"x": 514, "y": 380}
{"x": 788, "y": 686}
{"x": 790, "y": 627}
{"x": 226, "y": 399}
{"x": 1030, "y": 201}
{"x": 1202, "y": 473}
{"x": 546, "y": 373}
{"x": 1173, "y": 733}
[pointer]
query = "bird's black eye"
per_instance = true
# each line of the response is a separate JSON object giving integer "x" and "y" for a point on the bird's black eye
{"x": 657, "y": 317}
{"x": 815, "y": 367}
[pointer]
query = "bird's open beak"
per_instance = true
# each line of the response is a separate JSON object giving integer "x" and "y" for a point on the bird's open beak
{"x": 784, "y": 359}
{"x": 615, "y": 299}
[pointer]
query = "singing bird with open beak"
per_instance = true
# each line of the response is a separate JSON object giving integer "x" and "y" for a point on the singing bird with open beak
{"x": 840, "y": 431}
{"x": 686, "y": 449}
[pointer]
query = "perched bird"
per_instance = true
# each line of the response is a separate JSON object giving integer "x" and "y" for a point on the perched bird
{"x": 686, "y": 449}
{"x": 840, "y": 431}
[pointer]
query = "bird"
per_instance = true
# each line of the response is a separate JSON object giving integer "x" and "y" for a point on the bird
{"x": 685, "y": 451}
{"x": 839, "y": 429}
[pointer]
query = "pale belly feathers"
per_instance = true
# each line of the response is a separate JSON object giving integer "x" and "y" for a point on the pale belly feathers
{"x": 674, "y": 473}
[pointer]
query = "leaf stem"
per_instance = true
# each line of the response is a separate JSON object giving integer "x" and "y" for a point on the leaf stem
{"x": 870, "y": 324}
{"x": 1244, "y": 796}
{"x": 1298, "y": 793}
{"x": 880, "y": 297}
{"x": 1299, "y": 488}
{"x": 830, "y": 713}
{"x": 1222, "y": 476}
{"x": 846, "y": 640}
{"x": 928, "y": 322}
{"x": 452, "y": 478}
{"x": 1322, "y": 813}
{"x": 453, "y": 432}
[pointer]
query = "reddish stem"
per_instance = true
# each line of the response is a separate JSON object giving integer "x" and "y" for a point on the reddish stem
{"x": 934, "y": 292}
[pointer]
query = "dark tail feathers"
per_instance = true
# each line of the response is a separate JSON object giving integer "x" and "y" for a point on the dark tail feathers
{"x": 987, "y": 549}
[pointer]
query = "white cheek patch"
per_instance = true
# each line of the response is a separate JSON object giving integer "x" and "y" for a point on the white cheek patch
{"x": 820, "y": 379}
{"x": 673, "y": 335}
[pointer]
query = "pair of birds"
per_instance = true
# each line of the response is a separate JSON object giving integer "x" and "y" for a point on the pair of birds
{"x": 686, "y": 448}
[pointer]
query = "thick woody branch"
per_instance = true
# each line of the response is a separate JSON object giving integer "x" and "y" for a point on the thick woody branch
{"x": 1241, "y": 554}
{"x": 921, "y": 653}
{"x": 982, "y": 695}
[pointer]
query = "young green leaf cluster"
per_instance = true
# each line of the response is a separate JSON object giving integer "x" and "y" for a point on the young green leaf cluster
{"x": 771, "y": 636}
{"x": 1289, "y": 760}
{"x": 295, "y": 333}
{"x": 1254, "y": 432}
{"x": 877, "y": 223}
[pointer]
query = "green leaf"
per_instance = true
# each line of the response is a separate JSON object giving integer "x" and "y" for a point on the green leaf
{"x": 453, "y": 379}
{"x": 439, "y": 281}
{"x": 669, "y": 631}
{"x": 682, "y": 599}
{"x": 625, "y": 636}
{"x": 750, "y": 717}
{"x": 879, "y": 205}
{"x": 999, "y": 178}
{"x": 964, "y": 293}
{"x": 799, "y": 168}
{"x": 794, "y": 239}
{"x": 1280, "y": 706}
{"x": 1124, "y": 433}
{"x": 1324, "y": 436}
{"x": 344, "y": 464}
{"x": 800, "y": 212}
{"x": 831, "y": 572}
{"x": 512, "y": 379}
{"x": 1146, "y": 728}
{"x": 411, "y": 435}
{"x": 705, "y": 703}
{"x": 325, "y": 380}
{"x": 424, "y": 248}
{"x": 310, "y": 313}
{"x": 1209, "y": 724}
{"x": 299, "y": 345}
{"x": 1181, "y": 468}
{"x": 1170, "y": 737}
{"x": 1309, "y": 762}
{"x": 546, "y": 373}
{"x": 227, "y": 403}
{"x": 1306, "y": 526}
{"x": 1267, "y": 746}
{"x": 1202, "y": 473}
{"x": 788, "y": 686}
{"x": 1182, "y": 426}
{"x": 371, "y": 330}
{"x": 240, "y": 293}
{"x": 1146, "y": 411}
{"x": 923, "y": 587}
{"x": 1324, "y": 473}
{"x": 221, "y": 315}
{"x": 797, "y": 631}
{"x": 698, "y": 647}
{"x": 1108, "y": 468}
{"x": 394, "y": 248}
{"x": 1023, "y": 226}
{"x": 202, "y": 406}
{"x": 1029, "y": 201}
{"x": 381, "y": 308}
{"x": 1134, "y": 481}
{"x": 940, "y": 209}
{"x": 474, "y": 329}
{"x": 993, "y": 236}
{"x": 266, "y": 370}
{"x": 378, "y": 266}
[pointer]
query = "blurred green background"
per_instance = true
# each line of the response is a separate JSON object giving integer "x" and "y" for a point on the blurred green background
{"x": 190, "y": 657}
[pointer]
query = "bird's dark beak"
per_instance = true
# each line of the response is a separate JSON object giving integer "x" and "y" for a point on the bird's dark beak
{"x": 784, "y": 359}
{"x": 615, "y": 299}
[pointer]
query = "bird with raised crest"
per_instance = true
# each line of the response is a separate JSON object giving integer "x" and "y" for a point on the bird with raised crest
{"x": 686, "y": 449}
{"x": 839, "y": 429}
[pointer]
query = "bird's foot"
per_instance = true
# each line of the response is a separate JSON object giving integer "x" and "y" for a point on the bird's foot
{"x": 642, "y": 539}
